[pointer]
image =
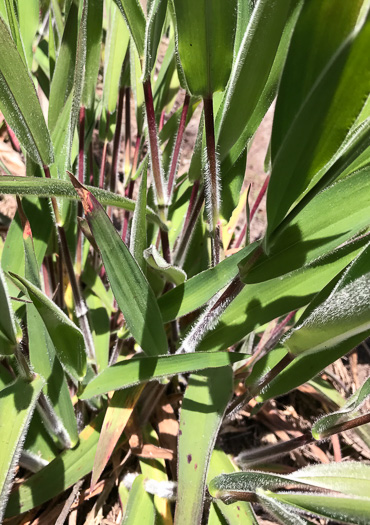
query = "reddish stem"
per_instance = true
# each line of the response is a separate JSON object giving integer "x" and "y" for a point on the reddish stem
{"x": 13, "y": 139}
{"x": 104, "y": 154}
{"x": 117, "y": 140}
{"x": 153, "y": 142}
{"x": 128, "y": 131}
{"x": 253, "y": 211}
{"x": 176, "y": 151}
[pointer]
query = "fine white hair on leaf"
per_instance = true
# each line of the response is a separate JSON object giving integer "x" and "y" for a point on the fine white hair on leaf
{"x": 207, "y": 320}
{"x": 128, "y": 479}
{"x": 213, "y": 192}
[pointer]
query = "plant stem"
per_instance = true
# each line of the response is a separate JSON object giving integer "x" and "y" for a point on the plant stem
{"x": 177, "y": 148}
{"x": 117, "y": 140}
{"x": 253, "y": 211}
{"x": 153, "y": 144}
{"x": 81, "y": 171}
{"x": 189, "y": 226}
{"x": 212, "y": 181}
{"x": 104, "y": 154}
{"x": 13, "y": 139}
{"x": 80, "y": 306}
{"x": 81, "y": 150}
{"x": 128, "y": 132}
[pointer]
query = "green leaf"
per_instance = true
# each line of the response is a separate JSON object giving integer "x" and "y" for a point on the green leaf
{"x": 8, "y": 338}
{"x": 259, "y": 303}
{"x": 134, "y": 371}
{"x": 135, "y": 20}
{"x": 19, "y": 102}
{"x": 153, "y": 33}
{"x": 171, "y": 273}
{"x": 18, "y": 402}
{"x": 202, "y": 409}
{"x": 138, "y": 237}
{"x": 93, "y": 48}
{"x": 140, "y": 506}
{"x": 63, "y": 472}
{"x": 205, "y": 43}
{"x": 350, "y": 477}
{"x": 99, "y": 322}
{"x": 116, "y": 46}
{"x": 320, "y": 125}
{"x": 314, "y": 233}
{"x": 28, "y": 13}
{"x": 198, "y": 290}
{"x": 236, "y": 512}
{"x": 67, "y": 338}
{"x": 345, "y": 509}
{"x": 63, "y": 78}
{"x": 283, "y": 513}
{"x": 271, "y": 22}
{"x": 339, "y": 313}
{"x": 63, "y": 189}
{"x": 350, "y": 410}
{"x": 130, "y": 288}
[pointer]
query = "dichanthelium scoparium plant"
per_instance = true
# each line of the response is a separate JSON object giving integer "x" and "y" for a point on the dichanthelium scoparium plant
{"x": 137, "y": 317}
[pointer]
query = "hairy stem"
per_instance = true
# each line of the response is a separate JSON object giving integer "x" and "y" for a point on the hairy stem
{"x": 177, "y": 148}
{"x": 212, "y": 181}
{"x": 127, "y": 167}
{"x": 104, "y": 155}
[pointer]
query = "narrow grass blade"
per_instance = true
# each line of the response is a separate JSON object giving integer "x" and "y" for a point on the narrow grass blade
{"x": 66, "y": 337}
{"x": 133, "y": 15}
{"x": 99, "y": 322}
{"x": 93, "y": 49}
{"x": 260, "y": 303}
{"x": 281, "y": 512}
{"x": 210, "y": 393}
{"x": 19, "y": 102}
{"x": 63, "y": 472}
{"x": 17, "y": 403}
{"x": 8, "y": 338}
{"x": 153, "y": 32}
{"x": 28, "y": 13}
{"x": 63, "y": 189}
{"x": 140, "y": 507}
{"x": 134, "y": 371}
{"x": 129, "y": 285}
{"x": 270, "y": 25}
{"x": 350, "y": 410}
{"x": 117, "y": 42}
{"x": 345, "y": 509}
{"x": 138, "y": 238}
{"x": 205, "y": 43}
{"x": 116, "y": 417}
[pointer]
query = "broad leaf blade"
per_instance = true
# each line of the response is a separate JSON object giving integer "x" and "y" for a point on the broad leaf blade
{"x": 134, "y": 371}
{"x": 67, "y": 338}
{"x": 129, "y": 285}
{"x": 19, "y": 103}
{"x": 140, "y": 506}
{"x": 205, "y": 43}
{"x": 17, "y": 403}
{"x": 320, "y": 126}
{"x": 210, "y": 393}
